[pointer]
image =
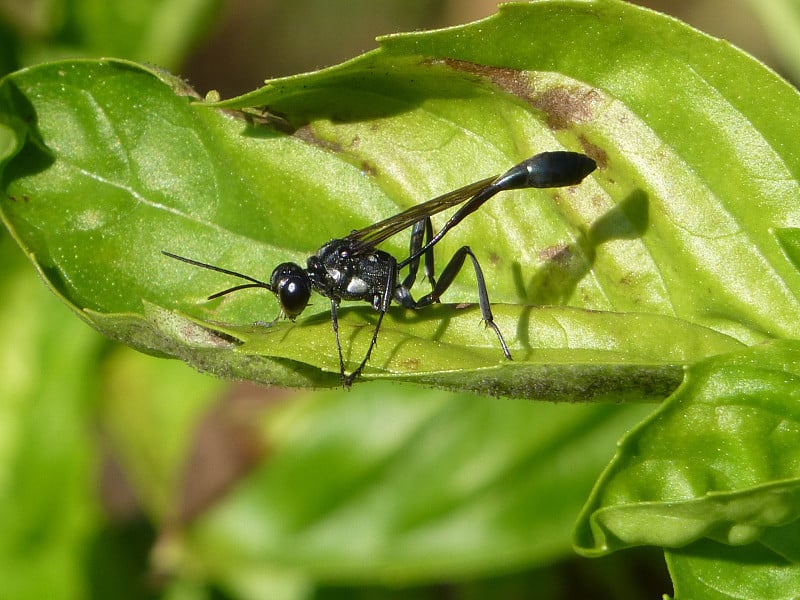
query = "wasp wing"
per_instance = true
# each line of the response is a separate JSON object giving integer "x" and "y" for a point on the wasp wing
{"x": 543, "y": 170}
{"x": 372, "y": 235}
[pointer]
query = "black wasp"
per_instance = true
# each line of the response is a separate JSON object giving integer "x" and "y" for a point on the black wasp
{"x": 352, "y": 268}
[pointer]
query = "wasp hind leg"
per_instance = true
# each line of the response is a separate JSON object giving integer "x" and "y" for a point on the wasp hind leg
{"x": 448, "y": 276}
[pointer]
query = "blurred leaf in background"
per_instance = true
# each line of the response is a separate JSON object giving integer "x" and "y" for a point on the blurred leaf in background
{"x": 161, "y": 32}
{"x": 767, "y": 29}
{"x": 48, "y": 388}
{"x": 781, "y": 19}
{"x": 103, "y": 449}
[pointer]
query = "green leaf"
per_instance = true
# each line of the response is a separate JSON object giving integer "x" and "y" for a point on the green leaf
{"x": 718, "y": 460}
{"x": 383, "y": 485}
{"x": 789, "y": 239}
{"x": 160, "y": 32}
{"x": 781, "y": 20}
{"x": 117, "y": 164}
{"x": 48, "y": 513}
{"x": 715, "y": 571}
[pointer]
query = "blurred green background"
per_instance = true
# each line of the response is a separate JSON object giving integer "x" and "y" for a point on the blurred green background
{"x": 108, "y": 458}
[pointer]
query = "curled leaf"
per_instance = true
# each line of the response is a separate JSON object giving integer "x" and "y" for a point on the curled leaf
{"x": 718, "y": 460}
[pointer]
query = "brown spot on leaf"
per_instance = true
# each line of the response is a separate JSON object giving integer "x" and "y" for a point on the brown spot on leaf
{"x": 563, "y": 105}
{"x": 559, "y": 253}
{"x": 369, "y": 168}
{"x": 595, "y": 152}
{"x": 411, "y": 364}
{"x": 511, "y": 80}
{"x": 305, "y": 134}
{"x": 566, "y": 106}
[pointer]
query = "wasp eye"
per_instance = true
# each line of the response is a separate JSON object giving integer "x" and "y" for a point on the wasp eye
{"x": 293, "y": 288}
{"x": 294, "y": 295}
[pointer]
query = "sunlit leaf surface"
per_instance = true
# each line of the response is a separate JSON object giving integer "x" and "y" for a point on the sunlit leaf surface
{"x": 673, "y": 236}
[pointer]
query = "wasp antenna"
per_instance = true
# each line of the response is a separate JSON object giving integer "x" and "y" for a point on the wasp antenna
{"x": 197, "y": 263}
{"x": 236, "y": 288}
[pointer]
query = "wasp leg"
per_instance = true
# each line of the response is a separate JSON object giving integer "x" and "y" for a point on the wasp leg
{"x": 452, "y": 269}
{"x": 382, "y": 307}
{"x": 421, "y": 227}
